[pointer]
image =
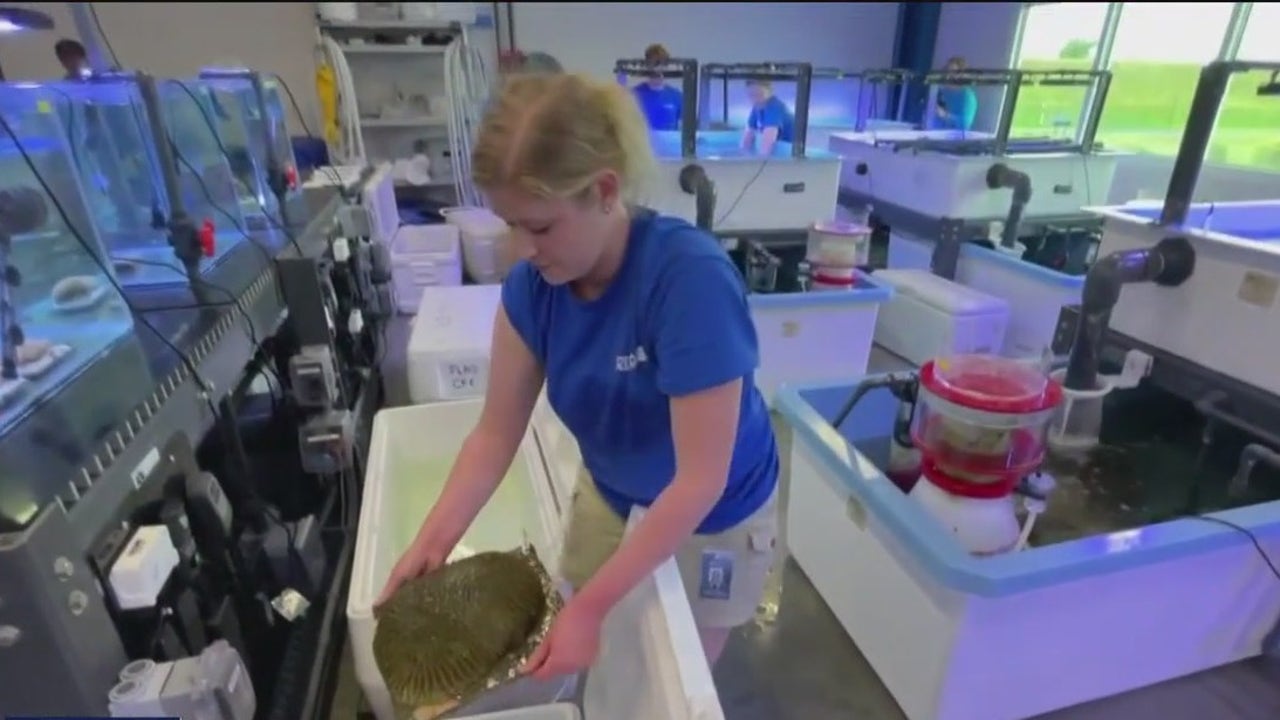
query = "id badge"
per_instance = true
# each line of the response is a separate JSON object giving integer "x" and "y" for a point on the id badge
{"x": 717, "y": 575}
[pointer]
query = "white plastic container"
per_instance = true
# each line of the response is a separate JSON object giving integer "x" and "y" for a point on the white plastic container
{"x": 929, "y": 316}
{"x": 423, "y": 256}
{"x": 982, "y": 526}
{"x": 419, "y": 11}
{"x": 338, "y": 11}
{"x": 838, "y": 244}
{"x": 484, "y": 236}
{"x": 650, "y": 665}
{"x": 815, "y": 336}
{"x": 449, "y": 346}
{"x": 1036, "y": 295}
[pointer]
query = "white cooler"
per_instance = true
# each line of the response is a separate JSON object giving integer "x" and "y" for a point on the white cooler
{"x": 651, "y": 663}
{"x": 929, "y": 316}
{"x": 448, "y": 356}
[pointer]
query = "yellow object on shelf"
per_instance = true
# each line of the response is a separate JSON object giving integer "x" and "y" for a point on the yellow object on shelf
{"x": 327, "y": 93}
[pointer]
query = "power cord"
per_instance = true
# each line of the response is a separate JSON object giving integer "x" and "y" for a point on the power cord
{"x": 1262, "y": 553}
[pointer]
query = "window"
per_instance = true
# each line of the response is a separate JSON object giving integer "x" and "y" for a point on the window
{"x": 1155, "y": 63}
{"x": 1248, "y": 129}
{"x": 1056, "y": 36}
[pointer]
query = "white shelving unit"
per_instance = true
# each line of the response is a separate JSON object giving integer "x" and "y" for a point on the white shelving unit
{"x": 397, "y": 69}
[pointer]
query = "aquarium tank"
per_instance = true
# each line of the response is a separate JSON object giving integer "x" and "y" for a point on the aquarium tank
{"x": 208, "y": 108}
{"x": 263, "y": 117}
{"x": 60, "y": 306}
{"x": 122, "y": 171}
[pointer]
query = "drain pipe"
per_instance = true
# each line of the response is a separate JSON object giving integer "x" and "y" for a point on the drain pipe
{"x": 1000, "y": 176}
{"x": 1169, "y": 263}
{"x": 695, "y": 182}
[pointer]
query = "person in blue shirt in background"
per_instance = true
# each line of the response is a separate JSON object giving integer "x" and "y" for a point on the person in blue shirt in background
{"x": 770, "y": 121}
{"x": 660, "y": 102}
{"x": 639, "y": 326}
{"x": 956, "y": 107}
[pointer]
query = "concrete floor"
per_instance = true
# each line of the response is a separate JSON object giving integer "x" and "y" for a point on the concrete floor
{"x": 796, "y": 662}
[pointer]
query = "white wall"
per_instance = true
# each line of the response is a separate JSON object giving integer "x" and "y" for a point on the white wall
{"x": 177, "y": 39}
{"x": 984, "y": 33}
{"x": 589, "y": 37}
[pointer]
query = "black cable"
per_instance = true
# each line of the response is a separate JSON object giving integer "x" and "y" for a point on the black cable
{"x": 97, "y": 21}
{"x": 106, "y": 272}
{"x": 1247, "y": 533}
{"x": 306, "y": 130}
{"x": 226, "y": 154}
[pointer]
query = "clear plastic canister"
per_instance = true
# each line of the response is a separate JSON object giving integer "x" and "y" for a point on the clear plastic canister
{"x": 982, "y": 418}
{"x": 836, "y": 243}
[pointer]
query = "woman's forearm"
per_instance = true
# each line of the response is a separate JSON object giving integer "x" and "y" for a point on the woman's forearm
{"x": 481, "y": 464}
{"x": 670, "y": 521}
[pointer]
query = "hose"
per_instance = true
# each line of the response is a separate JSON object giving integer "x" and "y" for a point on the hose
{"x": 350, "y": 148}
{"x": 467, "y": 85}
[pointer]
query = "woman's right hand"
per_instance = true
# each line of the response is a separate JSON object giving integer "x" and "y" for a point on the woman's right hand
{"x": 421, "y": 558}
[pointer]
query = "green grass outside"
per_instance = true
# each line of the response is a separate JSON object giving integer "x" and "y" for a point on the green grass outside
{"x": 1147, "y": 109}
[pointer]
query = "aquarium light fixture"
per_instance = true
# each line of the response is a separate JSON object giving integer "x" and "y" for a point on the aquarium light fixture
{"x": 16, "y": 19}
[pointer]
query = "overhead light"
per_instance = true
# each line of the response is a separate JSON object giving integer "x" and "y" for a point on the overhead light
{"x": 16, "y": 19}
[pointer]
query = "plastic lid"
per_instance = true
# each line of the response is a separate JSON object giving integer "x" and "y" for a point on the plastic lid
{"x": 841, "y": 227}
{"x": 990, "y": 383}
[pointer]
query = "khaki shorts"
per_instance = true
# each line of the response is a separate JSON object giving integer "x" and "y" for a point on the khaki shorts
{"x": 741, "y": 556}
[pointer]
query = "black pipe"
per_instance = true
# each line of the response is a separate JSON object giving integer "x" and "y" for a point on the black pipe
{"x": 1252, "y": 454}
{"x": 999, "y": 176}
{"x": 1169, "y": 263}
{"x": 694, "y": 181}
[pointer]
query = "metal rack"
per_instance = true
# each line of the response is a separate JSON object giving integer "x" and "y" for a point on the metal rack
{"x": 799, "y": 73}
{"x": 891, "y": 78}
{"x": 1202, "y": 117}
{"x": 396, "y": 34}
{"x": 684, "y": 70}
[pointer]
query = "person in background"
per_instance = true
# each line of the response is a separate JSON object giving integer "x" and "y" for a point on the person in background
{"x": 660, "y": 102}
{"x": 956, "y": 106}
{"x": 639, "y": 325}
{"x": 770, "y": 121}
{"x": 73, "y": 58}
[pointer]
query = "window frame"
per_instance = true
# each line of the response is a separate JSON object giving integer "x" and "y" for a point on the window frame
{"x": 1232, "y": 38}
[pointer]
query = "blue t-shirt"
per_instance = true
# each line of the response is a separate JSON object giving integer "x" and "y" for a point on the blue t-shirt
{"x": 661, "y": 106}
{"x": 773, "y": 113}
{"x": 673, "y": 322}
{"x": 961, "y": 104}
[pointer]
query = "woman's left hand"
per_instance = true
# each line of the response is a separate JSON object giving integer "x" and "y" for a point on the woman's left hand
{"x": 572, "y": 644}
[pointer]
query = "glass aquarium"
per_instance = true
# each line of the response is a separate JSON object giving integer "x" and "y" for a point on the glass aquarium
{"x": 121, "y": 170}
{"x": 263, "y": 138}
{"x": 60, "y": 306}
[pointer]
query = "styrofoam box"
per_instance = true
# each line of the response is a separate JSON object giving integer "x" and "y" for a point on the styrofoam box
{"x": 650, "y": 664}
{"x": 484, "y": 240}
{"x": 929, "y": 316}
{"x": 424, "y": 256}
{"x": 448, "y": 354}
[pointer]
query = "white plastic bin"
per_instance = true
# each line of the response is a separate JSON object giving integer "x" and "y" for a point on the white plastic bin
{"x": 484, "y": 239}
{"x": 423, "y": 256}
{"x": 449, "y": 346}
{"x": 815, "y": 336}
{"x": 1036, "y": 295}
{"x": 650, "y": 664}
{"x": 929, "y": 316}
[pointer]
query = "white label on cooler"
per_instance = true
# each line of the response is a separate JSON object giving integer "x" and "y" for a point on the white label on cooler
{"x": 462, "y": 378}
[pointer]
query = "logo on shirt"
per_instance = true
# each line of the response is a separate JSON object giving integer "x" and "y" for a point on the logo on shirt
{"x": 632, "y": 360}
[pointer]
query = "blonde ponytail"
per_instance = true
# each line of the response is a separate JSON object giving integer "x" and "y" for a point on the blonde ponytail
{"x": 553, "y": 134}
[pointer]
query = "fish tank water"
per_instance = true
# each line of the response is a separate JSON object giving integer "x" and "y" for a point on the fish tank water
{"x": 60, "y": 308}
{"x": 201, "y": 103}
{"x": 266, "y": 131}
{"x": 120, "y": 169}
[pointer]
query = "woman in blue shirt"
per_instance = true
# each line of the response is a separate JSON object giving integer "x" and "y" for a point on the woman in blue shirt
{"x": 770, "y": 121}
{"x": 659, "y": 101}
{"x": 638, "y": 323}
{"x": 956, "y": 107}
